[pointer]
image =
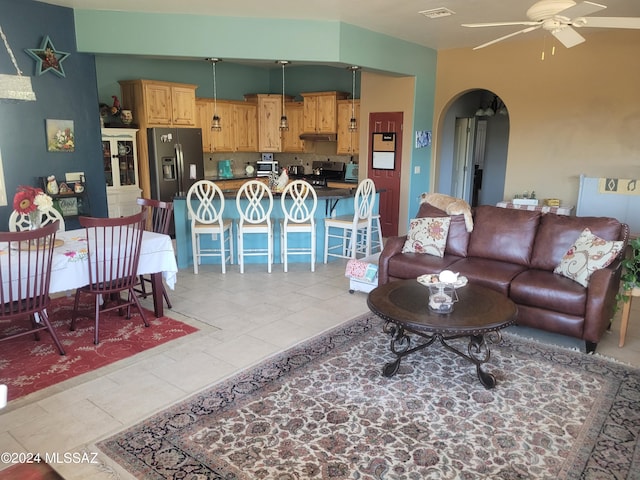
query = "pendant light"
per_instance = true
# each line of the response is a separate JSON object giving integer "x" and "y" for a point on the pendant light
{"x": 284, "y": 123}
{"x": 215, "y": 121}
{"x": 353, "y": 123}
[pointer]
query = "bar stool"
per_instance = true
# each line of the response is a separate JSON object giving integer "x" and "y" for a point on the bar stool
{"x": 376, "y": 234}
{"x": 206, "y": 219}
{"x": 298, "y": 218}
{"x": 255, "y": 219}
{"x": 353, "y": 231}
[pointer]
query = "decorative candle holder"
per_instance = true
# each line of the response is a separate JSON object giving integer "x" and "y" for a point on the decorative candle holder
{"x": 442, "y": 296}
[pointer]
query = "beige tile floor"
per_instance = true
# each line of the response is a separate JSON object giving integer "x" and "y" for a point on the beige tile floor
{"x": 242, "y": 319}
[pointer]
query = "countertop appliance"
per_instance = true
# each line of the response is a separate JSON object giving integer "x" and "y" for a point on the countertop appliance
{"x": 351, "y": 173}
{"x": 175, "y": 161}
{"x": 266, "y": 165}
{"x": 224, "y": 169}
{"x": 323, "y": 172}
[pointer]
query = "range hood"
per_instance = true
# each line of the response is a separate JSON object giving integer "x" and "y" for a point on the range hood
{"x": 319, "y": 137}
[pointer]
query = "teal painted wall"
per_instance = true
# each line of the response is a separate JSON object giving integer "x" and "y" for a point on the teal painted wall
{"x": 191, "y": 38}
{"x": 23, "y": 141}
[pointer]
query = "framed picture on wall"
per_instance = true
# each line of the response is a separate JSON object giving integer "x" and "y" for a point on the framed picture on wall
{"x": 60, "y": 135}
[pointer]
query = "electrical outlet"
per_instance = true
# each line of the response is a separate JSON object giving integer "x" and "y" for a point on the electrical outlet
{"x": 416, "y": 169}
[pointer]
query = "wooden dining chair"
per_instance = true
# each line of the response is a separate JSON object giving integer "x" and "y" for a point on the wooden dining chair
{"x": 25, "y": 274}
{"x": 21, "y": 221}
{"x": 159, "y": 216}
{"x": 113, "y": 249}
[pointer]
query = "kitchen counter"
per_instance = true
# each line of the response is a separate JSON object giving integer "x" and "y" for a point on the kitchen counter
{"x": 331, "y": 202}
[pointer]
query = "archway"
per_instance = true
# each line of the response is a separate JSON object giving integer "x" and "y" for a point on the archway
{"x": 474, "y": 140}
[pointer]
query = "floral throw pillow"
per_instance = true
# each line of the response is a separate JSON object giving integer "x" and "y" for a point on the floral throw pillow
{"x": 588, "y": 254}
{"x": 427, "y": 235}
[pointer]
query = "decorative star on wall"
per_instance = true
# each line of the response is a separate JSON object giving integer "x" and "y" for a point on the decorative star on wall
{"x": 48, "y": 58}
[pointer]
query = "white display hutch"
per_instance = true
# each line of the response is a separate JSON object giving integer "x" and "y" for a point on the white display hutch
{"x": 120, "y": 158}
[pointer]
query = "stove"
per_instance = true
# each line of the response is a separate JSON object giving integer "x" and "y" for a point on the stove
{"x": 323, "y": 172}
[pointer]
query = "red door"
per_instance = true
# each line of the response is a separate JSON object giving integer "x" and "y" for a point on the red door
{"x": 387, "y": 180}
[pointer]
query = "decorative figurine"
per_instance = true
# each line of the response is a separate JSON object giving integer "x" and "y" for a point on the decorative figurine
{"x": 52, "y": 185}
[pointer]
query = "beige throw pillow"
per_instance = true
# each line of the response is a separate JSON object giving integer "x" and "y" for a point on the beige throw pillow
{"x": 427, "y": 235}
{"x": 588, "y": 254}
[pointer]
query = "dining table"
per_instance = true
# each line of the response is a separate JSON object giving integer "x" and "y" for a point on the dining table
{"x": 70, "y": 264}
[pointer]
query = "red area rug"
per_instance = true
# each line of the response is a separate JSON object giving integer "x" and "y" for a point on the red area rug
{"x": 27, "y": 365}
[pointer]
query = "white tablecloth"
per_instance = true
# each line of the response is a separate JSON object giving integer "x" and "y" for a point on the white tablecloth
{"x": 70, "y": 266}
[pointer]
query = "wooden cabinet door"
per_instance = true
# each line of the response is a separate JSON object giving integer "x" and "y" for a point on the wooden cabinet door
{"x": 157, "y": 104}
{"x": 269, "y": 113}
{"x": 203, "y": 121}
{"x": 291, "y": 138}
{"x": 223, "y": 140}
{"x": 183, "y": 106}
{"x": 326, "y": 120}
{"x": 246, "y": 127}
{"x": 348, "y": 142}
{"x": 310, "y": 110}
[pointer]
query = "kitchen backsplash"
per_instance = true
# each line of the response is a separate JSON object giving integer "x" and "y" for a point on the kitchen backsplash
{"x": 239, "y": 160}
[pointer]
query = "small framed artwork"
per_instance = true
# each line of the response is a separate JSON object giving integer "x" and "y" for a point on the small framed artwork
{"x": 60, "y": 135}
{"x": 68, "y": 206}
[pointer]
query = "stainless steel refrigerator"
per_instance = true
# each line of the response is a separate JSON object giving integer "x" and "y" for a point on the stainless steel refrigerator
{"x": 176, "y": 162}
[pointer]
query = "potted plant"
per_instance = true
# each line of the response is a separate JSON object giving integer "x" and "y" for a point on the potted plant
{"x": 631, "y": 271}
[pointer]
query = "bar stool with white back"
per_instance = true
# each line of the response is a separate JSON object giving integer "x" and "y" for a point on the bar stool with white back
{"x": 352, "y": 231}
{"x": 206, "y": 219}
{"x": 298, "y": 218}
{"x": 19, "y": 222}
{"x": 255, "y": 203}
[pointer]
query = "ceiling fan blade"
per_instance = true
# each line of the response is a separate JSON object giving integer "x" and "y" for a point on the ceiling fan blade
{"x": 581, "y": 9}
{"x": 611, "y": 22}
{"x": 568, "y": 36}
{"x": 526, "y": 30}
{"x": 498, "y": 24}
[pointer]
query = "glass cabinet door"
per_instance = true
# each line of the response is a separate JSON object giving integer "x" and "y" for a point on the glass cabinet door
{"x": 126, "y": 164}
{"x": 106, "y": 160}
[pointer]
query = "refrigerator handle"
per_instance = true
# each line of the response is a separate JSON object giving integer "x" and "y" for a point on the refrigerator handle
{"x": 179, "y": 169}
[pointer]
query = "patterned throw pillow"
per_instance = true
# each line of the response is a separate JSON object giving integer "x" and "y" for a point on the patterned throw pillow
{"x": 588, "y": 254}
{"x": 427, "y": 235}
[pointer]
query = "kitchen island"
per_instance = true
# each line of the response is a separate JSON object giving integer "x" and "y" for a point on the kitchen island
{"x": 331, "y": 202}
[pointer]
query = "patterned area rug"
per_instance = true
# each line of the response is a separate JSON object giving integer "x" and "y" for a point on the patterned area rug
{"x": 27, "y": 365}
{"x": 323, "y": 410}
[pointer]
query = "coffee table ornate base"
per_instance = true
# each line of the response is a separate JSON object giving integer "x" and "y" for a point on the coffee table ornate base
{"x": 478, "y": 349}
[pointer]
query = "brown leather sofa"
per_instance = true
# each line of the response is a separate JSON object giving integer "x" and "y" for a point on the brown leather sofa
{"x": 515, "y": 252}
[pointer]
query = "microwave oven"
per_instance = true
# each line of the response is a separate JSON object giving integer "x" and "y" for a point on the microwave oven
{"x": 266, "y": 167}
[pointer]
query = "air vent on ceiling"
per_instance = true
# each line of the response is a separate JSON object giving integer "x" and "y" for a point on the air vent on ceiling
{"x": 437, "y": 12}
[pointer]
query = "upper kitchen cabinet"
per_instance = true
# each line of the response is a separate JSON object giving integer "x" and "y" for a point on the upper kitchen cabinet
{"x": 291, "y": 142}
{"x": 246, "y": 122}
{"x": 348, "y": 142}
{"x": 320, "y": 111}
{"x": 239, "y": 122}
{"x": 269, "y": 113}
{"x": 160, "y": 104}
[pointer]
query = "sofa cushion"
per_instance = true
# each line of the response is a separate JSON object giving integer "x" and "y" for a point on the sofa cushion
{"x": 543, "y": 289}
{"x": 427, "y": 235}
{"x": 503, "y": 234}
{"x": 587, "y": 254}
{"x": 493, "y": 274}
{"x": 458, "y": 238}
{"x": 557, "y": 233}
{"x": 412, "y": 265}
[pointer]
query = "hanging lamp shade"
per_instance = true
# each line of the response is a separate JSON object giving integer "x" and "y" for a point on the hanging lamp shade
{"x": 15, "y": 87}
{"x": 284, "y": 122}
{"x": 216, "y": 124}
{"x": 353, "y": 123}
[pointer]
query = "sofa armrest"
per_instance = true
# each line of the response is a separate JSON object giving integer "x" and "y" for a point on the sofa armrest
{"x": 393, "y": 246}
{"x": 601, "y": 301}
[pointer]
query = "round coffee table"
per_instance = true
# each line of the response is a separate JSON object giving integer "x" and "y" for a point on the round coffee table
{"x": 404, "y": 304}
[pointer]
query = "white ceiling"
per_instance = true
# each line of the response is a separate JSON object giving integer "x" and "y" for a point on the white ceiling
{"x": 395, "y": 18}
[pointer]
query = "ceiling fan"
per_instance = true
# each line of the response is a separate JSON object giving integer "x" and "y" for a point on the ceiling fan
{"x": 558, "y": 17}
